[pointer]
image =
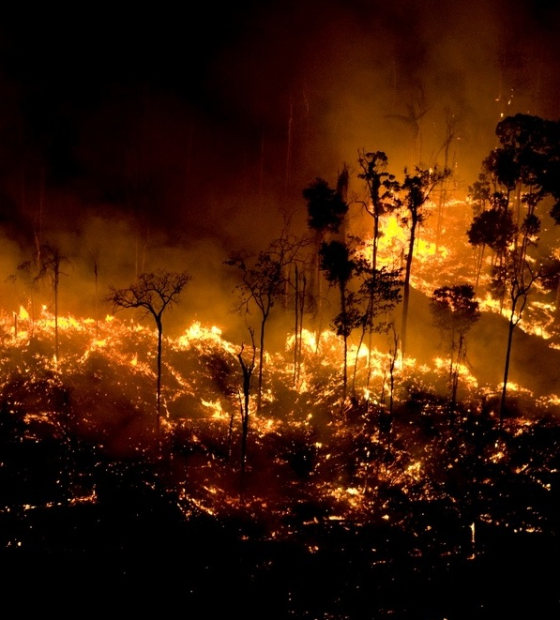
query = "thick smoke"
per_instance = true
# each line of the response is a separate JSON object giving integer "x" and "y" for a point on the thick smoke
{"x": 141, "y": 141}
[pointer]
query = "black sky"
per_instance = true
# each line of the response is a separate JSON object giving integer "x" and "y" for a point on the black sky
{"x": 211, "y": 90}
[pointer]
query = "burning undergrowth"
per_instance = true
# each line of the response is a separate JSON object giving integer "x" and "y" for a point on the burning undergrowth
{"x": 397, "y": 475}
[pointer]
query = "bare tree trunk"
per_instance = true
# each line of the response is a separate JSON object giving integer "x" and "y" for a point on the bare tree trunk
{"x": 511, "y": 327}
{"x": 247, "y": 370}
{"x": 296, "y": 326}
{"x": 394, "y": 354}
{"x": 375, "y": 243}
{"x": 362, "y": 336}
{"x": 55, "y": 287}
{"x": 244, "y": 435}
{"x": 96, "y": 301}
{"x": 261, "y": 364}
{"x": 158, "y": 389}
{"x": 406, "y": 291}
{"x": 345, "y": 339}
{"x": 479, "y": 262}
{"x": 299, "y": 312}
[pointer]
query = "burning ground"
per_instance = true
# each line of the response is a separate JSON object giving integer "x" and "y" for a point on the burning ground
{"x": 341, "y": 511}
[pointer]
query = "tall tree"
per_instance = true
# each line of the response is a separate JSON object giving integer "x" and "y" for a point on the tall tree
{"x": 153, "y": 293}
{"x": 381, "y": 187}
{"x": 247, "y": 368}
{"x": 338, "y": 263}
{"x": 50, "y": 261}
{"x": 455, "y": 310}
{"x": 525, "y": 171}
{"x": 263, "y": 281}
{"x": 378, "y": 294}
{"x": 492, "y": 225}
{"x": 297, "y": 283}
{"x": 326, "y": 209}
{"x": 416, "y": 190}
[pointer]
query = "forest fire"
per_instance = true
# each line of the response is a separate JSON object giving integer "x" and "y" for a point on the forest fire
{"x": 201, "y": 387}
{"x": 416, "y": 447}
{"x": 251, "y": 368}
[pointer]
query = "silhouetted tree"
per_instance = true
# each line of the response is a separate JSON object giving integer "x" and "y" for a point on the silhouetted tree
{"x": 492, "y": 225}
{"x": 154, "y": 293}
{"x": 49, "y": 261}
{"x": 247, "y": 368}
{"x": 338, "y": 263}
{"x": 416, "y": 190}
{"x": 518, "y": 279}
{"x": 299, "y": 286}
{"x": 381, "y": 187}
{"x": 326, "y": 208}
{"x": 364, "y": 293}
{"x": 524, "y": 170}
{"x": 263, "y": 280}
{"x": 394, "y": 350}
{"x": 455, "y": 311}
{"x": 379, "y": 291}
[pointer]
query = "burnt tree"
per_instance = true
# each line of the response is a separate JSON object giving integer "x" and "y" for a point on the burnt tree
{"x": 455, "y": 311}
{"x": 263, "y": 281}
{"x": 416, "y": 190}
{"x": 153, "y": 293}
{"x": 49, "y": 261}
{"x": 525, "y": 171}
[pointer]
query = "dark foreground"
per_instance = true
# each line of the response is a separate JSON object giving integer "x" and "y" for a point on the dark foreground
{"x": 119, "y": 559}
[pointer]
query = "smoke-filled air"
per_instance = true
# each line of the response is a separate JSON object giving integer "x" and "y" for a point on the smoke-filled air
{"x": 140, "y": 139}
{"x": 279, "y": 288}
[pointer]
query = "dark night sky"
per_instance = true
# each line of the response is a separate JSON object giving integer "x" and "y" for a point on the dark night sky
{"x": 188, "y": 133}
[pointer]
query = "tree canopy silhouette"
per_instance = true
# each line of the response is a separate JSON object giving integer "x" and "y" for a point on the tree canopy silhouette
{"x": 153, "y": 292}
